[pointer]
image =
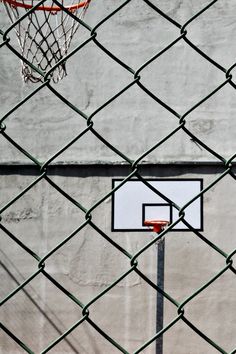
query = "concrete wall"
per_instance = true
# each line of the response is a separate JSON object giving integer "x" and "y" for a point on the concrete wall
{"x": 180, "y": 77}
{"x": 42, "y": 218}
{"x": 87, "y": 264}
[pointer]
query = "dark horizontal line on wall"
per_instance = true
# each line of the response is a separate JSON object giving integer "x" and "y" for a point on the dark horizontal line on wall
{"x": 107, "y": 169}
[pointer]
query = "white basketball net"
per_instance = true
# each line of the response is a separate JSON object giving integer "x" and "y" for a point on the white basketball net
{"x": 44, "y": 37}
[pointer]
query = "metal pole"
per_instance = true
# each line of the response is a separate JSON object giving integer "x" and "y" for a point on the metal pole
{"x": 158, "y": 227}
{"x": 160, "y": 298}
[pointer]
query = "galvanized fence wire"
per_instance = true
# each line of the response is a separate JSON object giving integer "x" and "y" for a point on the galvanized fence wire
{"x": 135, "y": 79}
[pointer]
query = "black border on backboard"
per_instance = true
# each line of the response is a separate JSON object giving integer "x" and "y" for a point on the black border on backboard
{"x": 156, "y": 179}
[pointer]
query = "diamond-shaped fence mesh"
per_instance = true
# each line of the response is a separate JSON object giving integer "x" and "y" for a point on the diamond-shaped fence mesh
{"x": 46, "y": 179}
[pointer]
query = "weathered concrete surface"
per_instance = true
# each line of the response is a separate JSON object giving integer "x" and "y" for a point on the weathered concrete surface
{"x": 87, "y": 264}
{"x": 180, "y": 77}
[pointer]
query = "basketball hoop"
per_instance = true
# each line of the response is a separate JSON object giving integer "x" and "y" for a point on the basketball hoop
{"x": 157, "y": 225}
{"x": 45, "y": 35}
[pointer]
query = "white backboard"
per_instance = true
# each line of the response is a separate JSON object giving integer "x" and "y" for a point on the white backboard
{"x": 135, "y": 202}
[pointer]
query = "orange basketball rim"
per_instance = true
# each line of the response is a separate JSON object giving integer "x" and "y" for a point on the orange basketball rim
{"x": 47, "y": 8}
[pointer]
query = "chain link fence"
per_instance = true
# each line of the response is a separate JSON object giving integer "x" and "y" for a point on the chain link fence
{"x": 134, "y": 167}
